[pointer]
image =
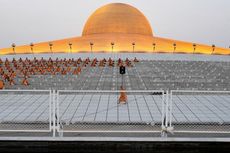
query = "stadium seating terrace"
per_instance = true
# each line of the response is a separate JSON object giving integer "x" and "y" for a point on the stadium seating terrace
{"x": 103, "y": 74}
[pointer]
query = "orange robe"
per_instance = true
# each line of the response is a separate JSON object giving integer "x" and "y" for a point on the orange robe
{"x": 1, "y": 84}
{"x": 25, "y": 82}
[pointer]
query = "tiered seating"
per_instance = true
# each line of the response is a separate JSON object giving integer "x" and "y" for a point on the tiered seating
{"x": 186, "y": 75}
{"x": 103, "y": 74}
{"x": 24, "y": 72}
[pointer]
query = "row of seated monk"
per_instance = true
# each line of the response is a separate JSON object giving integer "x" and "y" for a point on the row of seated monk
{"x": 65, "y": 62}
{"x": 25, "y": 82}
{"x": 9, "y": 70}
{"x": 20, "y": 60}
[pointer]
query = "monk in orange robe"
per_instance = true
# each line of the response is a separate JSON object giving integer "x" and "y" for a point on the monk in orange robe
{"x": 123, "y": 97}
{"x": 25, "y": 82}
{"x": 1, "y": 84}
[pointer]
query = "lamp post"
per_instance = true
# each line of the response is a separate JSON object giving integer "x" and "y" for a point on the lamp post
{"x": 133, "y": 46}
{"x": 32, "y": 48}
{"x": 194, "y": 48}
{"x": 51, "y": 47}
{"x": 213, "y": 48}
{"x": 13, "y": 47}
{"x": 70, "y": 47}
{"x": 154, "y": 47}
{"x": 174, "y": 47}
{"x": 91, "y": 46}
{"x": 112, "y": 45}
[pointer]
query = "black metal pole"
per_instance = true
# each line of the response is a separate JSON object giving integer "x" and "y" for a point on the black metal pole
{"x": 122, "y": 76}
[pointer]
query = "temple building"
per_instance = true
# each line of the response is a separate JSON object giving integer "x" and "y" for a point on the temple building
{"x": 116, "y": 27}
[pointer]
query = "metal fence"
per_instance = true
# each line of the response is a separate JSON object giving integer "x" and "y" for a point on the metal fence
{"x": 154, "y": 113}
{"x": 199, "y": 112}
{"x": 101, "y": 112}
{"x": 25, "y": 111}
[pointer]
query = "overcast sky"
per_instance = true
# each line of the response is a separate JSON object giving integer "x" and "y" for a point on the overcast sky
{"x": 200, "y": 21}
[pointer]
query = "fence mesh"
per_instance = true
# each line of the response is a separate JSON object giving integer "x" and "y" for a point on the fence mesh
{"x": 28, "y": 111}
{"x": 190, "y": 113}
{"x": 101, "y": 111}
{"x": 200, "y": 112}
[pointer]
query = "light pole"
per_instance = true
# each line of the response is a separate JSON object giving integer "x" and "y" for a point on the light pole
{"x": 91, "y": 46}
{"x": 32, "y": 48}
{"x": 213, "y": 48}
{"x": 70, "y": 47}
{"x": 154, "y": 47}
{"x": 13, "y": 47}
{"x": 174, "y": 47}
{"x": 133, "y": 46}
{"x": 112, "y": 45}
{"x": 51, "y": 47}
{"x": 194, "y": 48}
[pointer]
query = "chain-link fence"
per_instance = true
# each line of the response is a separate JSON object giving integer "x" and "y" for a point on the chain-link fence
{"x": 110, "y": 111}
{"x": 25, "y": 111}
{"x": 199, "y": 112}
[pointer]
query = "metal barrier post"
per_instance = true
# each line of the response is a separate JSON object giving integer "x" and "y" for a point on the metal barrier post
{"x": 58, "y": 125}
{"x": 167, "y": 109}
{"x": 170, "y": 111}
{"x": 54, "y": 112}
{"x": 163, "y": 111}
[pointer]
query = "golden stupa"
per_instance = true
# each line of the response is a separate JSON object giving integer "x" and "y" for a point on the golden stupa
{"x": 117, "y": 27}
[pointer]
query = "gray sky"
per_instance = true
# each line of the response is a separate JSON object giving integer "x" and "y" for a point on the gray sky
{"x": 201, "y": 21}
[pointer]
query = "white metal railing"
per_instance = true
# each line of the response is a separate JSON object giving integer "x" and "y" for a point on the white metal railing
{"x": 215, "y": 129}
{"x": 167, "y": 111}
{"x": 20, "y": 126}
{"x": 88, "y": 92}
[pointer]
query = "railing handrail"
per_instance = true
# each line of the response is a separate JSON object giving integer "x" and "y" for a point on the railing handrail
{"x": 6, "y": 90}
{"x": 197, "y": 91}
{"x": 109, "y": 91}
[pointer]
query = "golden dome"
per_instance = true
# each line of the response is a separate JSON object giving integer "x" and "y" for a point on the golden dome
{"x": 117, "y": 18}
